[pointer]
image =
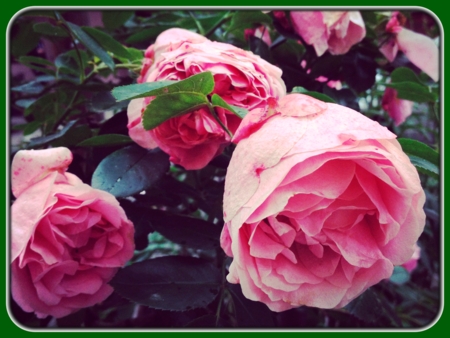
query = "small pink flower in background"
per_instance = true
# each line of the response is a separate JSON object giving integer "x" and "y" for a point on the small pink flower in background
{"x": 418, "y": 48}
{"x": 411, "y": 265}
{"x": 398, "y": 109}
{"x": 334, "y": 31}
{"x": 67, "y": 239}
{"x": 261, "y": 32}
{"x": 320, "y": 203}
{"x": 241, "y": 79}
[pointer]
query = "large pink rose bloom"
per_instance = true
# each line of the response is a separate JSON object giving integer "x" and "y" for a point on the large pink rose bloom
{"x": 334, "y": 31}
{"x": 320, "y": 203}
{"x": 241, "y": 79}
{"x": 418, "y": 48}
{"x": 67, "y": 239}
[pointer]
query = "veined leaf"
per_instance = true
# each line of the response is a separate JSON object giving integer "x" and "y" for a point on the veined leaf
{"x": 424, "y": 158}
{"x": 217, "y": 101}
{"x": 108, "y": 42}
{"x": 91, "y": 44}
{"x": 198, "y": 83}
{"x": 164, "y": 107}
{"x": 130, "y": 170}
{"x": 413, "y": 91}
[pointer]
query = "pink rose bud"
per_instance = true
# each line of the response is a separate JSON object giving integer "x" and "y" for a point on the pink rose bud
{"x": 241, "y": 79}
{"x": 421, "y": 50}
{"x": 320, "y": 203}
{"x": 334, "y": 31}
{"x": 67, "y": 239}
{"x": 397, "y": 108}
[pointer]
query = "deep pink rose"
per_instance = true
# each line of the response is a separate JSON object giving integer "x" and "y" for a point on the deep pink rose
{"x": 421, "y": 50}
{"x": 241, "y": 79}
{"x": 334, "y": 31}
{"x": 320, "y": 203}
{"x": 397, "y": 108}
{"x": 67, "y": 239}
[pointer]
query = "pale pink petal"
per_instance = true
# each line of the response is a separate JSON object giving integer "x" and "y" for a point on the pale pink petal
{"x": 30, "y": 166}
{"x": 421, "y": 51}
{"x": 389, "y": 49}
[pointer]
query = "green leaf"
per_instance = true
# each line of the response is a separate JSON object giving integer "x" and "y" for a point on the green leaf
{"x": 24, "y": 39}
{"x": 135, "y": 54}
{"x": 38, "y": 64}
{"x": 217, "y": 101}
{"x": 35, "y": 86}
{"x": 73, "y": 136}
{"x": 47, "y": 28}
{"x": 91, "y": 44}
{"x": 130, "y": 170}
{"x": 198, "y": 83}
{"x": 24, "y": 103}
{"x": 423, "y": 157}
{"x": 34, "y": 59}
{"x": 67, "y": 64}
{"x": 31, "y": 127}
{"x": 316, "y": 95}
{"x": 192, "y": 232}
{"x": 103, "y": 101}
{"x": 105, "y": 141}
{"x": 164, "y": 107}
{"x": 115, "y": 19}
{"x": 247, "y": 19}
{"x": 70, "y": 62}
{"x": 147, "y": 34}
{"x": 135, "y": 91}
{"x": 400, "y": 275}
{"x": 169, "y": 283}
{"x": 404, "y": 74}
{"x": 413, "y": 91}
{"x": 40, "y": 141}
{"x": 43, "y": 104}
{"x": 108, "y": 42}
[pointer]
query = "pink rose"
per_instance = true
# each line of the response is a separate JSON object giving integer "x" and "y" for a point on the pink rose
{"x": 67, "y": 239}
{"x": 320, "y": 203}
{"x": 334, "y": 31}
{"x": 418, "y": 48}
{"x": 241, "y": 79}
{"x": 397, "y": 108}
